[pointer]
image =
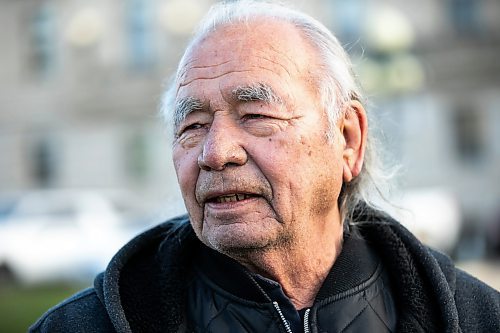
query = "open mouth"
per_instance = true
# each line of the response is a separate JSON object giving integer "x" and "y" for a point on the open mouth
{"x": 231, "y": 198}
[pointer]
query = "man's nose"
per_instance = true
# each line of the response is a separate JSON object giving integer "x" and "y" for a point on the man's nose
{"x": 222, "y": 147}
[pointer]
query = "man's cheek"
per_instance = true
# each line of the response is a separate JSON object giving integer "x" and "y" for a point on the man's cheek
{"x": 186, "y": 174}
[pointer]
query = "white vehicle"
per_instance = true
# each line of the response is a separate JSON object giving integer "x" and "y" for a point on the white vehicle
{"x": 432, "y": 214}
{"x": 62, "y": 235}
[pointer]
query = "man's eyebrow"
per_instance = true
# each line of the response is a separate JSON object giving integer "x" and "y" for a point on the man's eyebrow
{"x": 258, "y": 92}
{"x": 185, "y": 106}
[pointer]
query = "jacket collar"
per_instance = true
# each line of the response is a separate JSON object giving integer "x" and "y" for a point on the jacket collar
{"x": 355, "y": 270}
{"x": 144, "y": 286}
{"x": 355, "y": 264}
{"x": 424, "y": 287}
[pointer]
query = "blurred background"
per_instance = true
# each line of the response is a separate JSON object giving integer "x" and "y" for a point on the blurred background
{"x": 85, "y": 159}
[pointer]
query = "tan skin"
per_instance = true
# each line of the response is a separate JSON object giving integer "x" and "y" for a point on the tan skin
{"x": 287, "y": 227}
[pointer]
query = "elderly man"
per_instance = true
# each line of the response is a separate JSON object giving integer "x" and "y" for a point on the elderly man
{"x": 270, "y": 150}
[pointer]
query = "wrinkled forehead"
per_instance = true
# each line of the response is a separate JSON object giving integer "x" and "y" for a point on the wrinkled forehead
{"x": 271, "y": 46}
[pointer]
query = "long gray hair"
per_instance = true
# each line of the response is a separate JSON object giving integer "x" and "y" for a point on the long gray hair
{"x": 336, "y": 81}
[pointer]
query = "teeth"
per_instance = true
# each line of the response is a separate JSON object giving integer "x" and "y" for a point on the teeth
{"x": 232, "y": 198}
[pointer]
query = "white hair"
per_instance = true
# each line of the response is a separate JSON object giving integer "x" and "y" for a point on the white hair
{"x": 336, "y": 81}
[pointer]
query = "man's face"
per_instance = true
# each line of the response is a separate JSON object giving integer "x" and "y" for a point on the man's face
{"x": 253, "y": 161}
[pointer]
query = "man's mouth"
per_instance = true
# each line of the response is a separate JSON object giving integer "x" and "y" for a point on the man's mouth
{"x": 231, "y": 198}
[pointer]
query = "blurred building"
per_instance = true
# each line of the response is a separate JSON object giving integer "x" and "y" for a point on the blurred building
{"x": 80, "y": 84}
{"x": 432, "y": 70}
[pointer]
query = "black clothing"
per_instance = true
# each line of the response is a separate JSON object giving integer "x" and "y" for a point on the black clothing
{"x": 356, "y": 294}
{"x": 158, "y": 283}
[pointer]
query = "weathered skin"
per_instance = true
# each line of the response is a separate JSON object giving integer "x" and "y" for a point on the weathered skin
{"x": 290, "y": 228}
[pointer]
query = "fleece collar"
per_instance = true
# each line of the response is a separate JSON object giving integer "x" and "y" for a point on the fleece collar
{"x": 144, "y": 286}
{"x": 424, "y": 287}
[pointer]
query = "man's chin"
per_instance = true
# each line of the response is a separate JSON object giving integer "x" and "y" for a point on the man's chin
{"x": 237, "y": 252}
{"x": 237, "y": 241}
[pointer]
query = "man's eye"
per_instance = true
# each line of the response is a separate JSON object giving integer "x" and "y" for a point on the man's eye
{"x": 254, "y": 116}
{"x": 189, "y": 128}
{"x": 194, "y": 126}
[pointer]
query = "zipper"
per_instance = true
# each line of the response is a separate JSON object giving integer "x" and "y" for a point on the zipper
{"x": 306, "y": 321}
{"x": 285, "y": 322}
{"x": 283, "y": 319}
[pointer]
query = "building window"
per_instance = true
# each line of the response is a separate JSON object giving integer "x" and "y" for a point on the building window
{"x": 137, "y": 156}
{"x": 44, "y": 164}
{"x": 465, "y": 16}
{"x": 469, "y": 133}
{"x": 139, "y": 21}
{"x": 346, "y": 16}
{"x": 43, "y": 40}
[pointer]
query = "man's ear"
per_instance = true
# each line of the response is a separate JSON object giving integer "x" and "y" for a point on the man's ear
{"x": 354, "y": 128}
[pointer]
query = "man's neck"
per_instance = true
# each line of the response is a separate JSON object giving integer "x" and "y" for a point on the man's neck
{"x": 299, "y": 269}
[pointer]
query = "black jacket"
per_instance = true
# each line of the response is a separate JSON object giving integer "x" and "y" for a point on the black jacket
{"x": 146, "y": 287}
{"x": 355, "y": 295}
